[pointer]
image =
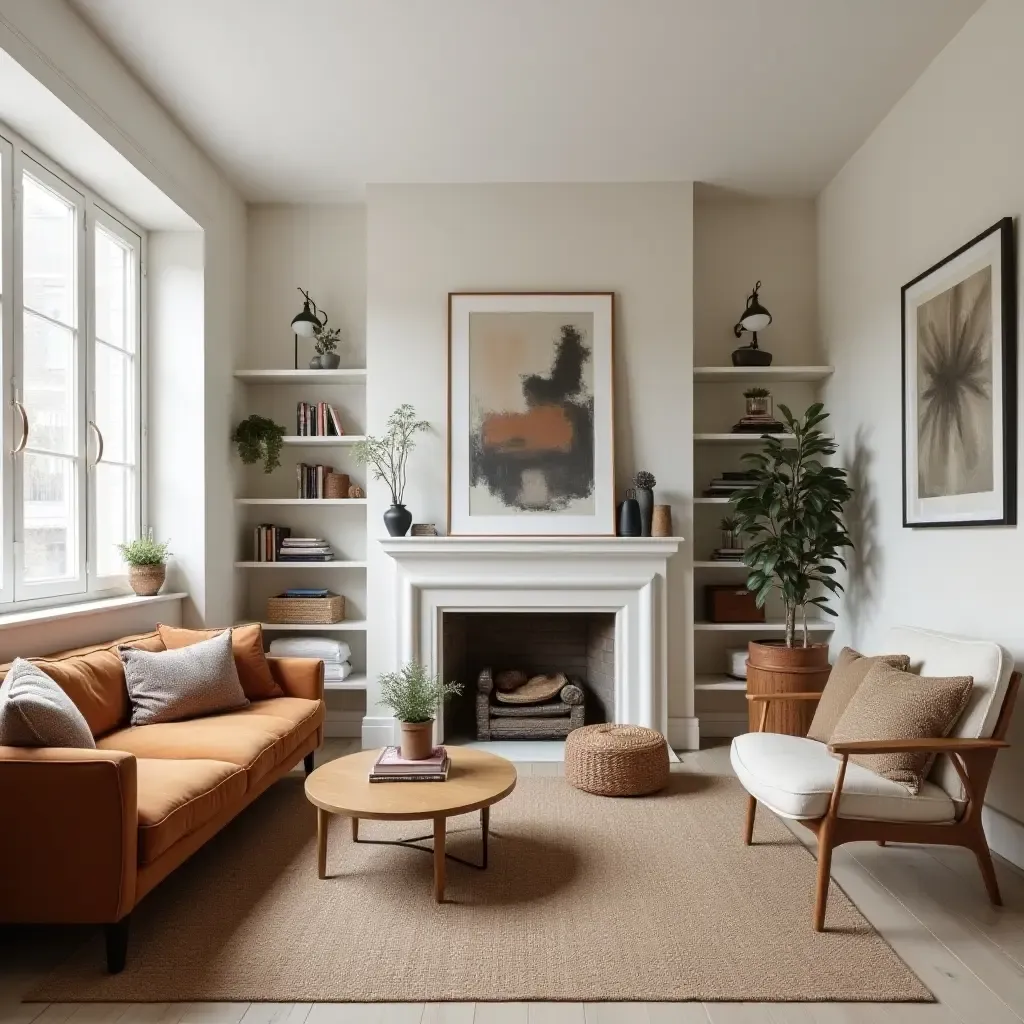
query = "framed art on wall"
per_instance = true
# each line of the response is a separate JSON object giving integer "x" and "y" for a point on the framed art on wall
{"x": 960, "y": 387}
{"x": 530, "y": 425}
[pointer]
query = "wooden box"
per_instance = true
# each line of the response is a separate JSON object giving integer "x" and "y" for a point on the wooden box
{"x": 724, "y": 603}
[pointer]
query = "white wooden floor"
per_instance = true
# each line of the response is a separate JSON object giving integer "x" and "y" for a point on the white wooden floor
{"x": 929, "y": 904}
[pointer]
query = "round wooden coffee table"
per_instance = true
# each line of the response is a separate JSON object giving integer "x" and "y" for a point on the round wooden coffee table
{"x": 475, "y": 781}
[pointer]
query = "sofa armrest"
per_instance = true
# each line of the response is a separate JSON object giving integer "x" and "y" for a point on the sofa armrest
{"x": 69, "y": 820}
{"x": 299, "y": 677}
{"x": 936, "y": 745}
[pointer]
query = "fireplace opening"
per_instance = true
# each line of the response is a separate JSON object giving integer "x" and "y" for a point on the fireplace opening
{"x": 527, "y": 675}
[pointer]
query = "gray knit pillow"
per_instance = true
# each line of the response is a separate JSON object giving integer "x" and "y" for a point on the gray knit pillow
{"x": 36, "y": 712}
{"x": 168, "y": 686}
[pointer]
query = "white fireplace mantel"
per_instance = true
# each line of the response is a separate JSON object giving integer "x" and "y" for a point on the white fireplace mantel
{"x": 622, "y": 575}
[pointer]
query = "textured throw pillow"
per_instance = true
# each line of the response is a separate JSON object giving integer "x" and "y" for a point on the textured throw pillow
{"x": 171, "y": 685}
{"x": 846, "y": 676}
{"x": 36, "y": 712}
{"x": 250, "y": 661}
{"x": 895, "y": 705}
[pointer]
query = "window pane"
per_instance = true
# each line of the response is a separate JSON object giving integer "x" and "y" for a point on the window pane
{"x": 115, "y": 516}
{"x": 49, "y": 385}
{"x": 49, "y": 252}
{"x": 50, "y": 519}
{"x": 115, "y": 405}
{"x": 114, "y": 307}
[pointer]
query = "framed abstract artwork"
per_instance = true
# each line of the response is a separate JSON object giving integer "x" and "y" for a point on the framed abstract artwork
{"x": 960, "y": 387}
{"x": 530, "y": 431}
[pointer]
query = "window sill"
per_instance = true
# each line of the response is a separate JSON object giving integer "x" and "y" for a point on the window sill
{"x": 58, "y": 613}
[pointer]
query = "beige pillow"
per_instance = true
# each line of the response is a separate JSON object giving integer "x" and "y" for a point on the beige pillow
{"x": 846, "y": 676}
{"x": 36, "y": 712}
{"x": 895, "y": 705}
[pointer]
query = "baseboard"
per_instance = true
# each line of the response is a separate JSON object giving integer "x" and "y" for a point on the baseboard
{"x": 723, "y": 723}
{"x": 1005, "y": 835}
{"x": 683, "y": 734}
{"x": 345, "y": 724}
{"x": 377, "y": 732}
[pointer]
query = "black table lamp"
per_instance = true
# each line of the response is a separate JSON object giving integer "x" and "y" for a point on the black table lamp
{"x": 755, "y": 318}
{"x": 307, "y": 323}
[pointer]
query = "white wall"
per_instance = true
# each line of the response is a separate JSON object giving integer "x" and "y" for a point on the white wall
{"x": 944, "y": 165}
{"x": 635, "y": 240}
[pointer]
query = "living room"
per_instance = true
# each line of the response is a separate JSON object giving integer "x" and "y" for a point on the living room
{"x": 325, "y": 323}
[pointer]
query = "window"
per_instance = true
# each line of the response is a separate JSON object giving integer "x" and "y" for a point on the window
{"x": 71, "y": 322}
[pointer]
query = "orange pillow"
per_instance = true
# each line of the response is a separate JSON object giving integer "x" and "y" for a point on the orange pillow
{"x": 246, "y": 646}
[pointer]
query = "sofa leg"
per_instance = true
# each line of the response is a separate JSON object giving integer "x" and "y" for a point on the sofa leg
{"x": 307, "y": 763}
{"x": 824, "y": 875}
{"x": 988, "y": 871}
{"x": 116, "y": 936}
{"x": 748, "y": 835}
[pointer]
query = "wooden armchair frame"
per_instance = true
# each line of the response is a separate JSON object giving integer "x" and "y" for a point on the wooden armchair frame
{"x": 973, "y": 760}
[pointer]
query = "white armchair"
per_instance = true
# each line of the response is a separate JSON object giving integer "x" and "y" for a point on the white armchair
{"x": 841, "y": 802}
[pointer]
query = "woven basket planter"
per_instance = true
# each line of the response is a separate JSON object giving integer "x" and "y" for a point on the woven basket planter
{"x": 616, "y": 760}
{"x": 305, "y": 611}
{"x": 146, "y": 580}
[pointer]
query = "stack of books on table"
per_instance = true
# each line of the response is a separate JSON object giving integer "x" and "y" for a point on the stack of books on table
{"x": 734, "y": 480}
{"x": 390, "y": 766}
{"x": 305, "y": 549}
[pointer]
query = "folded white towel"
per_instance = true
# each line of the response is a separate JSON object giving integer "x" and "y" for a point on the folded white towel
{"x": 322, "y": 647}
{"x": 337, "y": 673}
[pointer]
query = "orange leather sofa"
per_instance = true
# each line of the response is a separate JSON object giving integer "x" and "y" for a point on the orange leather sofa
{"x": 85, "y": 834}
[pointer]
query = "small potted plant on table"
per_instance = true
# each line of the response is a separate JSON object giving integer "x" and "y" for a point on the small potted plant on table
{"x": 326, "y": 344}
{"x": 147, "y": 564}
{"x": 414, "y": 695}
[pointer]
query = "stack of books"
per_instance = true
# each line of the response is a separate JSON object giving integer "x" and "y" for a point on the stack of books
{"x": 305, "y": 549}
{"x": 727, "y": 555}
{"x": 311, "y": 480}
{"x": 268, "y": 540}
{"x": 762, "y": 423}
{"x": 390, "y": 766}
{"x": 317, "y": 420}
{"x": 724, "y": 485}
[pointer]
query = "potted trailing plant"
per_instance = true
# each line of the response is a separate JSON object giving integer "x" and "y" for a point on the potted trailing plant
{"x": 257, "y": 437}
{"x": 793, "y": 520}
{"x": 389, "y": 456}
{"x": 414, "y": 695}
{"x": 645, "y": 484}
{"x": 326, "y": 344}
{"x": 757, "y": 401}
{"x": 147, "y": 564}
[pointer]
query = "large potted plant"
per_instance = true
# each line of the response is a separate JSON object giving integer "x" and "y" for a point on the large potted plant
{"x": 793, "y": 520}
{"x": 389, "y": 456}
{"x": 415, "y": 695}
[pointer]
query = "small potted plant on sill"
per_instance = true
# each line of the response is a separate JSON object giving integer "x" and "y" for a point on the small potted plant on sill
{"x": 147, "y": 564}
{"x": 256, "y": 438}
{"x": 793, "y": 519}
{"x": 326, "y": 343}
{"x": 415, "y": 696}
{"x": 389, "y": 457}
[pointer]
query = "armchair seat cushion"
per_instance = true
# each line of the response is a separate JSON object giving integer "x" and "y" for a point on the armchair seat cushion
{"x": 794, "y": 777}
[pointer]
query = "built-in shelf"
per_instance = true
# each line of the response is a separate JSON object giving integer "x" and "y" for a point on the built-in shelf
{"x": 322, "y": 441}
{"x": 712, "y": 501}
{"x": 300, "y": 565}
{"x": 720, "y": 565}
{"x": 356, "y": 681}
{"x": 719, "y": 684}
{"x": 761, "y": 627}
{"x": 301, "y": 376}
{"x": 761, "y": 374}
{"x": 300, "y": 501}
{"x": 347, "y": 626}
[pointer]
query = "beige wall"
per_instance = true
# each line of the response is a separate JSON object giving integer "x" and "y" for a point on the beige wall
{"x": 943, "y": 166}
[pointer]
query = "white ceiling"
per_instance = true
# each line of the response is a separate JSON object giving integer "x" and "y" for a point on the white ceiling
{"x": 312, "y": 99}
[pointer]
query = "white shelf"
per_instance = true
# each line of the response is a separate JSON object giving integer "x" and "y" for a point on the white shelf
{"x": 719, "y": 684}
{"x": 712, "y": 501}
{"x": 323, "y": 442}
{"x": 761, "y": 627}
{"x": 300, "y": 501}
{"x": 761, "y": 374}
{"x": 346, "y": 626}
{"x": 300, "y": 565}
{"x": 356, "y": 681}
{"x": 301, "y": 376}
{"x": 719, "y": 565}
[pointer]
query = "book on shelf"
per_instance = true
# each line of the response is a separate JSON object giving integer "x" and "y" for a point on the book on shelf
{"x": 267, "y": 541}
{"x": 759, "y": 425}
{"x": 390, "y": 766}
{"x": 317, "y": 419}
{"x": 301, "y": 592}
{"x": 311, "y": 481}
{"x": 305, "y": 549}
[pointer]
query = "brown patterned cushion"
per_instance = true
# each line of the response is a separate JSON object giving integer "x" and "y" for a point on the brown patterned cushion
{"x": 895, "y": 705}
{"x": 847, "y": 674}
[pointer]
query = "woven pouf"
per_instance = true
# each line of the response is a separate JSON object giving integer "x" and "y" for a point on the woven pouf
{"x": 616, "y": 760}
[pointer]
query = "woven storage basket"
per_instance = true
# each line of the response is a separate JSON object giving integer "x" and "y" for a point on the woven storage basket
{"x": 336, "y": 485}
{"x": 616, "y": 760}
{"x": 305, "y": 610}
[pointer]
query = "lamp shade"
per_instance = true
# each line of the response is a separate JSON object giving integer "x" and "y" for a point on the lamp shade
{"x": 755, "y": 317}
{"x": 305, "y": 324}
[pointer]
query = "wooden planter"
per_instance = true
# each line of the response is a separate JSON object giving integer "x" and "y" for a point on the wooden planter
{"x": 146, "y": 580}
{"x": 774, "y": 668}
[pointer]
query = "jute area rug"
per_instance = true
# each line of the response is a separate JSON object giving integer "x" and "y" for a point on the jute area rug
{"x": 585, "y": 898}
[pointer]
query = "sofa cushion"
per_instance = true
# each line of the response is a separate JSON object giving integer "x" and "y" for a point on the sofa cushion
{"x": 846, "y": 676}
{"x": 795, "y": 776}
{"x": 36, "y": 712}
{"x": 247, "y": 646}
{"x": 93, "y": 677}
{"x": 256, "y": 743}
{"x": 175, "y": 797}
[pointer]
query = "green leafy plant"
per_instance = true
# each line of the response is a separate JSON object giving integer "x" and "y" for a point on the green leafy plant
{"x": 257, "y": 437}
{"x": 389, "y": 455}
{"x": 645, "y": 480}
{"x": 756, "y": 393}
{"x": 413, "y": 694}
{"x": 327, "y": 339}
{"x": 728, "y": 525}
{"x": 144, "y": 551}
{"x": 794, "y": 517}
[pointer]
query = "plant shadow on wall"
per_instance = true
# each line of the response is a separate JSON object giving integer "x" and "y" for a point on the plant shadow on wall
{"x": 863, "y": 569}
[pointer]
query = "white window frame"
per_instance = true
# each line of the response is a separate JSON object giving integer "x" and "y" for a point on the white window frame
{"x": 15, "y": 156}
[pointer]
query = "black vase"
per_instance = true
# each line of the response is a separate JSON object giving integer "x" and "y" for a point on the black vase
{"x": 397, "y": 520}
{"x": 629, "y": 518}
{"x": 645, "y": 499}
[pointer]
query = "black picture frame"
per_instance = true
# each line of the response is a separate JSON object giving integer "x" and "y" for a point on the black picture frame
{"x": 1006, "y": 347}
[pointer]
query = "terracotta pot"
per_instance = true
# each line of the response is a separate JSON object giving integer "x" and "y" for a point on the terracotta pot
{"x": 146, "y": 580}
{"x": 772, "y": 667}
{"x": 417, "y": 740}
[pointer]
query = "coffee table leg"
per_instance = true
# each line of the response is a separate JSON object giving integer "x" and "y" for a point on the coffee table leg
{"x": 322, "y": 820}
{"x": 485, "y": 829}
{"x": 355, "y": 830}
{"x": 439, "y": 836}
